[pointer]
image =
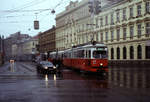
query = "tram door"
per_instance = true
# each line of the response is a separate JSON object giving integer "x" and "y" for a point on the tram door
{"x": 87, "y": 54}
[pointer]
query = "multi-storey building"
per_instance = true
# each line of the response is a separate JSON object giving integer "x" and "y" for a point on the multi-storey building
{"x": 47, "y": 41}
{"x": 9, "y": 43}
{"x": 123, "y": 25}
{"x": 70, "y": 23}
{"x": 29, "y": 46}
{"x": 25, "y": 49}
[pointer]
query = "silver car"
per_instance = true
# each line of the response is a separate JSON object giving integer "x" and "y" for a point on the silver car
{"x": 46, "y": 67}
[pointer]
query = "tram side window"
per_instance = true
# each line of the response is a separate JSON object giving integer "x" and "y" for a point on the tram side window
{"x": 65, "y": 55}
{"x": 69, "y": 55}
{"x": 88, "y": 54}
{"x": 80, "y": 54}
{"x": 75, "y": 53}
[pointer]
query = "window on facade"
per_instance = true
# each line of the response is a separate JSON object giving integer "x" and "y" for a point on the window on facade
{"x": 139, "y": 10}
{"x": 112, "y": 53}
{"x": 131, "y": 32}
{"x": 83, "y": 39}
{"x": 106, "y": 20}
{"x": 118, "y": 16}
{"x": 101, "y": 22}
{"x": 118, "y": 53}
{"x": 86, "y": 38}
{"x": 97, "y": 37}
{"x": 139, "y": 30}
{"x": 124, "y": 33}
{"x": 124, "y": 14}
{"x": 79, "y": 41}
{"x": 131, "y": 52}
{"x": 124, "y": 53}
{"x": 112, "y": 19}
{"x": 87, "y": 27}
{"x": 91, "y": 37}
{"x": 106, "y": 36}
{"x": 78, "y": 28}
{"x": 139, "y": 52}
{"x": 147, "y": 29}
{"x": 101, "y": 37}
{"x": 82, "y": 27}
{"x": 147, "y": 50}
{"x": 97, "y": 23}
{"x": 118, "y": 34}
{"x": 131, "y": 12}
{"x": 147, "y": 7}
{"x": 112, "y": 35}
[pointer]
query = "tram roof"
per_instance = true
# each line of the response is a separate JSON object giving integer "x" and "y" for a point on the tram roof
{"x": 89, "y": 45}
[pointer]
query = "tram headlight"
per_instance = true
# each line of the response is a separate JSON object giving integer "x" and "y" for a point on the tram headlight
{"x": 45, "y": 67}
{"x": 101, "y": 64}
{"x": 54, "y": 67}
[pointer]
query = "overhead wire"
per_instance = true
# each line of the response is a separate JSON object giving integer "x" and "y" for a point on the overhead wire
{"x": 9, "y": 11}
{"x": 18, "y": 9}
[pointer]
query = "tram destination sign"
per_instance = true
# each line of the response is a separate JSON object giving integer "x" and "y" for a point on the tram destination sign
{"x": 100, "y": 48}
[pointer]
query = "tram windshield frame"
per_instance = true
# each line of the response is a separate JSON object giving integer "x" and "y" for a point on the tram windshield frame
{"x": 100, "y": 54}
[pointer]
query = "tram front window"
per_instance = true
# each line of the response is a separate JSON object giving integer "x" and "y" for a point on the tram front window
{"x": 99, "y": 54}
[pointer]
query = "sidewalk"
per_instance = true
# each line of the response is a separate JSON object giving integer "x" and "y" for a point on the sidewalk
{"x": 5, "y": 65}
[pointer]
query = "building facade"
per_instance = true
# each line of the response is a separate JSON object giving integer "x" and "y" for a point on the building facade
{"x": 123, "y": 25}
{"x": 9, "y": 43}
{"x": 47, "y": 41}
{"x": 29, "y": 46}
{"x": 70, "y": 23}
{"x": 25, "y": 50}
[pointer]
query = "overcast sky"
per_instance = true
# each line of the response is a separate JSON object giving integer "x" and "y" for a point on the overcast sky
{"x": 23, "y": 13}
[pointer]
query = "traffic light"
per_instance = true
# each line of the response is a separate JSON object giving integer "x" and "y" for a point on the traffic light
{"x": 97, "y": 7}
{"x": 94, "y": 6}
{"x": 91, "y": 8}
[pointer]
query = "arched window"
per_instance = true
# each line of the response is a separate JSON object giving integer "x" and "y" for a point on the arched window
{"x": 112, "y": 53}
{"x": 147, "y": 50}
{"x": 118, "y": 53}
{"x": 124, "y": 53}
{"x": 131, "y": 52}
{"x": 139, "y": 52}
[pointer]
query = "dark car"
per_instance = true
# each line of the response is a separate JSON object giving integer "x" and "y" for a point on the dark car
{"x": 46, "y": 67}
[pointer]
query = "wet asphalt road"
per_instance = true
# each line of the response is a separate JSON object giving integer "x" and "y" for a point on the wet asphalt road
{"x": 22, "y": 83}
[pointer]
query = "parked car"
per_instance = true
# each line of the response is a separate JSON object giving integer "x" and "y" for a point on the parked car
{"x": 46, "y": 67}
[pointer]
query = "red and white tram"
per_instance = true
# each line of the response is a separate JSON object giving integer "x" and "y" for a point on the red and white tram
{"x": 90, "y": 58}
{"x": 56, "y": 57}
